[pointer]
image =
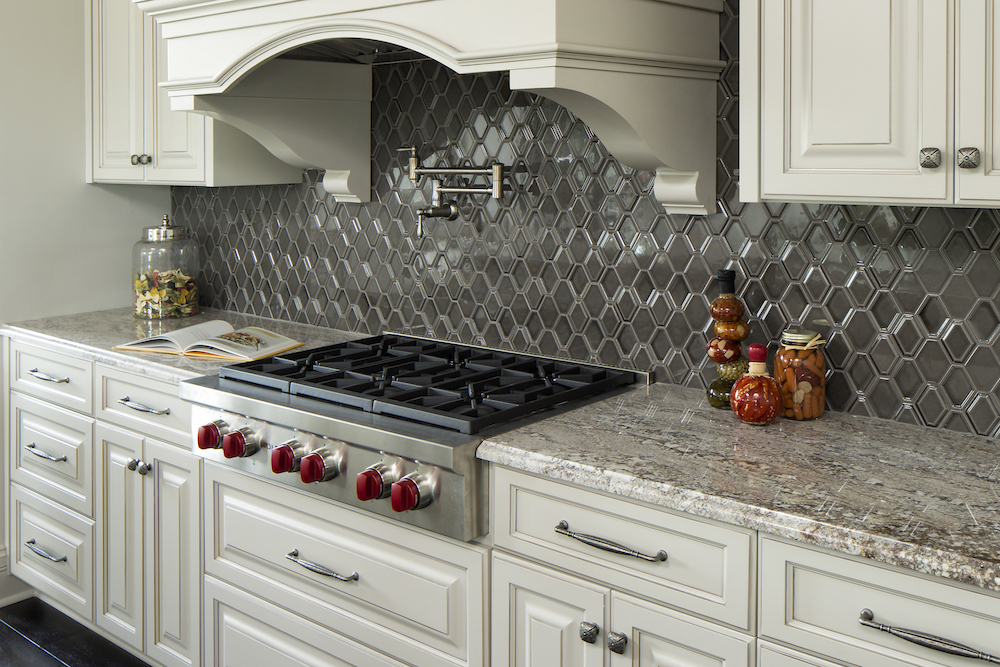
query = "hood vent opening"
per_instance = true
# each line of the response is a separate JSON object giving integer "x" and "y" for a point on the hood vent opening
{"x": 296, "y": 74}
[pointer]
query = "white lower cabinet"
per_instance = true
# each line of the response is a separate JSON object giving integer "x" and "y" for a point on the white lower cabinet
{"x": 771, "y": 655}
{"x": 148, "y": 579}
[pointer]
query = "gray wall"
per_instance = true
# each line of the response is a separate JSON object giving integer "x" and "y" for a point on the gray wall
{"x": 581, "y": 262}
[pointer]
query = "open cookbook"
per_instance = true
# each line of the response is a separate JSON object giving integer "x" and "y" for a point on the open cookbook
{"x": 216, "y": 338}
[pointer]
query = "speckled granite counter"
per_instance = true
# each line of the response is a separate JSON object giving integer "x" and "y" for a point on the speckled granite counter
{"x": 92, "y": 335}
{"x": 924, "y": 499}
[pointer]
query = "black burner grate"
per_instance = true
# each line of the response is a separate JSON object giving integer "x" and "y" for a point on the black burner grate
{"x": 442, "y": 384}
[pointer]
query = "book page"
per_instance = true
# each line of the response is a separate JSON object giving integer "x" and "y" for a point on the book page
{"x": 246, "y": 343}
{"x": 177, "y": 341}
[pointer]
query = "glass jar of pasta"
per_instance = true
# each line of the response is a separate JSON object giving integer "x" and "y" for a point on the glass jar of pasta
{"x": 800, "y": 369}
{"x": 165, "y": 267}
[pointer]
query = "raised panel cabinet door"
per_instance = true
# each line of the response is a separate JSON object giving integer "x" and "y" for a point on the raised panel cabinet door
{"x": 175, "y": 140}
{"x": 977, "y": 95}
{"x": 850, "y": 92}
{"x": 171, "y": 497}
{"x": 537, "y": 617}
{"x": 659, "y": 637}
{"x": 117, "y": 75}
{"x": 119, "y": 552}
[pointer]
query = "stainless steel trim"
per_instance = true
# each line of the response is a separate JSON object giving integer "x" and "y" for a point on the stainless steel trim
{"x": 589, "y": 632}
{"x": 42, "y": 455}
{"x": 139, "y": 407}
{"x": 926, "y": 640}
{"x": 31, "y": 545}
{"x": 607, "y": 545}
{"x": 34, "y": 372}
{"x": 319, "y": 569}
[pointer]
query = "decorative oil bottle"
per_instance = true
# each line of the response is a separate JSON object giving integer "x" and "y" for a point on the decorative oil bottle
{"x": 725, "y": 348}
{"x": 756, "y": 397}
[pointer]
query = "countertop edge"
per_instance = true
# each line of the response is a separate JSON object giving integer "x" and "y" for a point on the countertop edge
{"x": 935, "y": 562}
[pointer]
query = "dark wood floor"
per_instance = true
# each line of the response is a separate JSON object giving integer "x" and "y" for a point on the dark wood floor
{"x": 33, "y": 634}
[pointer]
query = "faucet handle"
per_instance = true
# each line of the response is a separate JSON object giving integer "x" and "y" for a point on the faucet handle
{"x": 414, "y": 161}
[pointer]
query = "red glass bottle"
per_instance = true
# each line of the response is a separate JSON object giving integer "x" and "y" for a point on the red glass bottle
{"x": 756, "y": 397}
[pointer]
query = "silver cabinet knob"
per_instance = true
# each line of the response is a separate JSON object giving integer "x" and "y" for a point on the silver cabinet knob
{"x": 617, "y": 642}
{"x": 589, "y": 632}
{"x": 135, "y": 159}
{"x": 145, "y": 159}
{"x": 968, "y": 158}
{"x": 143, "y": 467}
{"x": 930, "y": 158}
{"x": 132, "y": 464}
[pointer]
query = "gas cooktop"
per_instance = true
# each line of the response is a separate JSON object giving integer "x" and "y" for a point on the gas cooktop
{"x": 436, "y": 383}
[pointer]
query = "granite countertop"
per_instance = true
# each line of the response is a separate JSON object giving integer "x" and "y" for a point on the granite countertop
{"x": 92, "y": 335}
{"x": 924, "y": 499}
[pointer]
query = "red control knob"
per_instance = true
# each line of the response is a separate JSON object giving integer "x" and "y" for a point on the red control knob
{"x": 312, "y": 468}
{"x": 210, "y": 435}
{"x": 369, "y": 484}
{"x": 405, "y": 495}
{"x": 282, "y": 459}
{"x": 234, "y": 445}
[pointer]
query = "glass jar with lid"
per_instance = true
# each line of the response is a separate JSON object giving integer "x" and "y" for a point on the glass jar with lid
{"x": 800, "y": 368}
{"x": 165, "y": 268}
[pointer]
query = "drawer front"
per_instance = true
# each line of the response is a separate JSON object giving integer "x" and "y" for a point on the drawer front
{"x": 411, "y": 588}
{"x": 51, "y": 452}
{"x": 708, "y": 569}
{"x": 241, "y": 629}
{"x": 52, "y": 376}
{"x": 769, "y": 655}
{"x": 813, "y": 599}
{"x": 142, "y": 404}
{"x": 62, "y": 568}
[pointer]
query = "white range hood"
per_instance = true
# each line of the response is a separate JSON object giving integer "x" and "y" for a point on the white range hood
{"x": 641, "y": 73}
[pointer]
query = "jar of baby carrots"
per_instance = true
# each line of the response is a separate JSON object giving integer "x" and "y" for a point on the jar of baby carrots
{"x": 800, "y": 369}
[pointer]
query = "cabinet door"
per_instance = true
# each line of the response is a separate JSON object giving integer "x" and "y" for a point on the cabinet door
{"x": 175, "y": 140}
{"x": 537, "y": 617}
{"x": 978, "y": 100}
{"x": 171, "y": 553}
{"x": 850, "y": 92}
{"x": 117, "y": 78}
{"x": 658, "y": 637}
{"x": 119, "y": 534}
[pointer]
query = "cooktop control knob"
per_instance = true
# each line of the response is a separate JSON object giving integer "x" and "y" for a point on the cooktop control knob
{"x": 413, "y": 492}
{"x": 240, "y": 443}
{"x": 320, "y": 466}
{"x": 375, "y": 482}
{"x": 210, "y": 435}
{"x": 287, "y": 457}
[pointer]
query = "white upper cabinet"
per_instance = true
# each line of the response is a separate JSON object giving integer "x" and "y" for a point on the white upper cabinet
{"x": 135, "y": 137}
{"x": 868, "y": 101}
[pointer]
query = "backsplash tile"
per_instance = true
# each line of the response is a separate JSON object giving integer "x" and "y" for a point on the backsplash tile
{"x": 579, "y": 261}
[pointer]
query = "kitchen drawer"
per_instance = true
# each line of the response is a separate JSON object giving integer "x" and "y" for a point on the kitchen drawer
{"x": 241, "y": 629}
{"x": 769, "y": 655}
{"x": 813, "y": 599}
{"x": 50, "y": 452}
{"x": 66, "y": 574}
{"x": 52, "y": 376}
{"x": 709, "y": 566}
{"x": 416, "y": 596}
{"x": 150, "y": 407}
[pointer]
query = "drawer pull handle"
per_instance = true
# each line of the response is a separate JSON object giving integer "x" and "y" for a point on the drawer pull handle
{"x": 42, "y": 455}
{"x": 607, "y": 545}
{"x": 589, "y": 632}
{"x": 617, "y": 642}
{"x": 319, "y": 569}
{"x": 139, "y": 407}
{"x": 31, "y": 545}
{"x": 35, "y": 373}
{"x": 926, "y": 640}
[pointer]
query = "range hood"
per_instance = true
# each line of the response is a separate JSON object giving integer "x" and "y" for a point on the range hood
{"x": 641, "y": 73}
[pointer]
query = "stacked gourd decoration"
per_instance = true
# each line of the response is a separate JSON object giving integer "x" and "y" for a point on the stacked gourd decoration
{"x": 730, "y": 330}
{"x": 756, "y": 397}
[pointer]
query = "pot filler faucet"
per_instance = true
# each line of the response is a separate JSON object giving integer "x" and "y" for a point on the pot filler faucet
{"x": 448, "y": 209}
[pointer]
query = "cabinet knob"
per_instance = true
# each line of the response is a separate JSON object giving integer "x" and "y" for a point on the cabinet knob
{"x": 589, "y": 632}
{"x": 930, "y": 158}
{"x": 617, "y": 642}
{"x": 968, "y": 158}
{"x": 135, "y": 159}
{"x": 132, "y": 464}
{"x": 143, "y": 468}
